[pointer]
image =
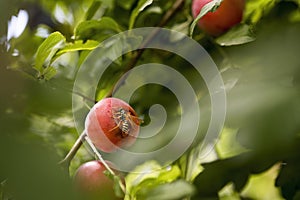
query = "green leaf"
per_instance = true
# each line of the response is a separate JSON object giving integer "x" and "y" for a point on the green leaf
{"x": 49, "y": 73}
{"x": 47, "y": 50}
{"x": 149, "y": 175}
{"x": 227, "y": 145}
{"x": 239, "y": 34}
{"x": 126, "y": 4}
{"x": 218, "y": 174}
{"x": 2, "y": 193}
{"x": 209, "y": 7}
{"x": 115, "y": 50}
{"x": 109, "y": 3}
{"x": 228, "y": 192}
{"x": 108, "y": 174}
{"x": 116, "y": 179}
{"x": 78, "y": 45}
{"x": 258, "y": 184}
{"x": 147, "y": 170}
{"x": 175, "y": 190}
{"x": 140, "y": 7}
{"x": 255, "y": 9}
{"x": 193, "y": 165}
{"x": 97, "y": 29}
{"x": 93, "y": 9}
{"x": 149, "y": 16}
{"x": 181, "y": 27}
{"x": 118, "y": 191}
{"x": 288, "y": 178}
{"x": 82, "y": 57}
{"x": 295, "y": 16}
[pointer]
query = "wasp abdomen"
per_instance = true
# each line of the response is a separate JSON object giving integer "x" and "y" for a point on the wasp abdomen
{"x": 122, "y": 117}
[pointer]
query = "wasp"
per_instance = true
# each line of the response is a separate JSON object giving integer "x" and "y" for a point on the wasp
{"x": 124, "y": 120}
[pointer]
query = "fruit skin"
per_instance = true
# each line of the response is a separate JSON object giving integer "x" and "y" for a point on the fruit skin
{"x": 100, "y": 125}
{"x": 92, "y": 183}
{"x": 226, "y": 16}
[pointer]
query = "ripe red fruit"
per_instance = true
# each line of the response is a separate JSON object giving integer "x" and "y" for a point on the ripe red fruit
{"x": 226, "y": 16}
{"x": 92, "y": 182}
{"x": 112, "y": 123}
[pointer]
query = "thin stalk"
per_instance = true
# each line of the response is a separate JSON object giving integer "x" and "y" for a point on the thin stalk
{"x": 99, "y": 157}
{"x": 67, "y": 160}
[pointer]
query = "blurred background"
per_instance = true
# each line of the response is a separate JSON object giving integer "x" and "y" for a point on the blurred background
{"x": 257, "y": 155}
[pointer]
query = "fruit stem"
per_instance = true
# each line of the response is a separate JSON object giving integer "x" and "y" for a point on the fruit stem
{"x": 67, "y": 160}
{"x": 98, "y": 155}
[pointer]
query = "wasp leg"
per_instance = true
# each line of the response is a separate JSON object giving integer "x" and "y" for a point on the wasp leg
{"x": 117, "y": 126}
{"x": 134, "y": 119}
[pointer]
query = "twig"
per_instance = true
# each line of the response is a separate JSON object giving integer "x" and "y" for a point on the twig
{"x": 85, "y": 98}
{"x": 67, "y": 160}
{"x": 166, "y": 18}
{"x": 176, "y": 6}
{"x": 98, "y": 156}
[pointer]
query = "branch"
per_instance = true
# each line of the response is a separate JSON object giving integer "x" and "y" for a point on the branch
{"x": 166, "y": 18}
{"x": 84, "y": 97}
{"x": 67, "y": 160}
{"x": 56, "y": 86}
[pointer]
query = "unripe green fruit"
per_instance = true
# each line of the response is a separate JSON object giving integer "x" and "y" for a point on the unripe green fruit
{"x": 226, "y": 16}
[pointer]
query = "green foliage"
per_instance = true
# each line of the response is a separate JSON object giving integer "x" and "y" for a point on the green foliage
{"x": 92, "y": 9}
{"x": 257, "y": 154}
{"x": 176, "y": 190}
{"x": 239, "y": 34}
{"x": 210, "y": 7}
{"x": 288, "y": 178}
{"x": 78, "y": 45}
{"x": 150, "y": 178}
{"x": 47, "y": 50}
{"x": 96, "y": 29}
{"x": 261, "y": 186}
{"x": 253, "y": 14}
{"x": 228, "y": 146}
{"x": 140, "y": 7}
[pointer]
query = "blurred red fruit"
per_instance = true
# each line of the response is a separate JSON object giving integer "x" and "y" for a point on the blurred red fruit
{"x": 226, "y": 16}
{"x": 93, "y": 183}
